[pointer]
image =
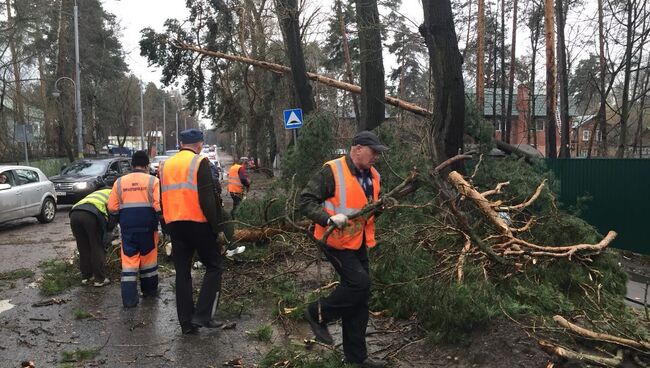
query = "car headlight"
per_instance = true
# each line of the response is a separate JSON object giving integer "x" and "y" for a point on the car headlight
{"x": 81, "y": 186}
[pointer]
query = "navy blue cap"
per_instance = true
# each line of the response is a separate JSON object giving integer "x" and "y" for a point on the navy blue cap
{"x": 191, "y": 136}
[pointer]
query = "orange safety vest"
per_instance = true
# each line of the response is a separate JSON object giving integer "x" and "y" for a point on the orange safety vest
{"x": 135, "y": 190}
{"x": 234, "y": 183}
{"x": 179, "y": 188}
{"x": 349, "y": 198}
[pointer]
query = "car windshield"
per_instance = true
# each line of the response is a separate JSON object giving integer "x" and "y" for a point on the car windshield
{"x": 158, "y": 159}
{"x": 85, "y": 168}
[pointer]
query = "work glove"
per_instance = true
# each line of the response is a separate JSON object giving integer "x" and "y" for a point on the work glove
{"x": 339, "y": 220}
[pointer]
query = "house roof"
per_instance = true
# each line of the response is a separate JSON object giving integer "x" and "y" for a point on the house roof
{"x": 493, "y": 100}
{"x": 578, "y": 121}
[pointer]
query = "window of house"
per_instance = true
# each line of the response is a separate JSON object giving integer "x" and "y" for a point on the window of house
{"x": 539, "y": 125}
{"x": 586, "y": 134}
{"x": 497, "y": 125}
{"x": 599, "y": 137}
{"x": 583, "y": 153}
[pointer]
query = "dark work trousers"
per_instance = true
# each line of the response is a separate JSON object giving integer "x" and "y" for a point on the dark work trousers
{"x": 349, "y": 301}
{"x": 236, "y": 200}
{"x": 88, "y": 234}
{"x": 187, "y": 237}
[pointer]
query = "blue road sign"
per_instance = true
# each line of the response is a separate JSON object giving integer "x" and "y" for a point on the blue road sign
{"x": 292, "y": 118}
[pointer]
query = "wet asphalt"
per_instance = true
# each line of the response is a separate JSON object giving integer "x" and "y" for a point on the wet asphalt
{"x": 145, "y": 336}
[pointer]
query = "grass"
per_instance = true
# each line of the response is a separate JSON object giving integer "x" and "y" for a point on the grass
{"x": 58, "y": 276}
{"x": 79, "y": 355}
{"x": 263, "y": 333}
{"x": 21, "y": 273}
{"x": 81, "y": 314}
{"x": 300, "y": 358}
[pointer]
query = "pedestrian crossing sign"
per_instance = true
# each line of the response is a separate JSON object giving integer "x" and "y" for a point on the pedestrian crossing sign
{"x": 292, "y": 118}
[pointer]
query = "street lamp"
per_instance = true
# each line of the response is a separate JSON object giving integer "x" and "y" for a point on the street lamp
{"x": 77, "y": 110}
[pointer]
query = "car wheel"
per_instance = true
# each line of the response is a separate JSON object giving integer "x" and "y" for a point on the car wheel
{"x": 48, "y": 211}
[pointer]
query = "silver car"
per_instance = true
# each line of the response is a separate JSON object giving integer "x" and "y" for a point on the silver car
{"x": 26, "y": 192}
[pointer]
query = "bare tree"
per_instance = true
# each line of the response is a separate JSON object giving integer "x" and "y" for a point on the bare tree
{"x": 549, "y": 20}
{"x": 560, "y": 11}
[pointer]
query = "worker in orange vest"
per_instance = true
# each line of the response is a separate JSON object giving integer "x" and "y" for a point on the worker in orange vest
{"x": 342, "y": 187}
{"x": 135, "y": 198}
{"x": 193, "y": 215}
{"x": 238, "y": 183}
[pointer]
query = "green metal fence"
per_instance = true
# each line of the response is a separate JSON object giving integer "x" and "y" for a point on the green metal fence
{"x": 620, "y": 196}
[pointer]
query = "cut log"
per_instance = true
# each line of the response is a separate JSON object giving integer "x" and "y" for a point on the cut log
{"x": 581, "y": 357}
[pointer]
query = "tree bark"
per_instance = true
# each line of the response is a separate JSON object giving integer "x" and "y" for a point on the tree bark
{"x": 506, "y": 125}
{"x": 480, "y": 56}
{"x": 625, "y": 104}
{"x": 19, "y": 108}
{"x": 565, "y": 147}
{"x": 287, "y": 11}
{"x": 348, "y": 60}
{"x": 603, "y": 95}
{"x": 511, "y": 76}
{"x": 372, "y": 66}
{"x": 551, "y": 127}
{"x": 448, "y": 95}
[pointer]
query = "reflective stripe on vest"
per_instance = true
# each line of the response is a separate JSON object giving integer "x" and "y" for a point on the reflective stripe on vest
{"x": 125, "y": 200}
{"x": 179, "y": 189}
{"x": 349, "y": 197}
{"x": 98, "y": 199}
{"x": 234, "y": 183}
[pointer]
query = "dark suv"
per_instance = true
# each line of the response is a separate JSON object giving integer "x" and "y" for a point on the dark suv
{"x": 83, "y": 177}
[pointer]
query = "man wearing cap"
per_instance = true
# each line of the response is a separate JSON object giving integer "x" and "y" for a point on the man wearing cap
{"x": 135, "y": 199}
{"x": 192, "y": 216}
{"x": 342, "y": 187}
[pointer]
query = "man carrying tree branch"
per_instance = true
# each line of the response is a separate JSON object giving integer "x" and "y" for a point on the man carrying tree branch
{"x": 343, "y": 187}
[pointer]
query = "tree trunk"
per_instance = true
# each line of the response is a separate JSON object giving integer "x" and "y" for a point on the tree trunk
{"x": 534, "y": 43}
{"x": 19, "y": 108}
{"x": 480, "y": 57}
{"x": 287, "y": 11}
{"x": 551, "y": 127}
{"x": 603, "y": 95}
{"x": 505, "y": 124}
{"x": 563, "y": 81}
{"x": 348, "y": 60}
{"x": 625, "y": 104}
{"x": 511, "y": 76}
{"x": 448, "y": 95}
{"x": 372, "y": 66}
{"x": 639, "y": 124}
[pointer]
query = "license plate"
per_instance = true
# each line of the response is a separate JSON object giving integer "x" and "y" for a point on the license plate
{"x": 60, "y": 193}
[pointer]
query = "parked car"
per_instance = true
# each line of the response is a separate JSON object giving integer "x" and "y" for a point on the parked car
{"x": 120, "y": 151}
{"x": 83, "y": 177}
{"x": 26, "y": 192}
{"x": 155, "y": 164}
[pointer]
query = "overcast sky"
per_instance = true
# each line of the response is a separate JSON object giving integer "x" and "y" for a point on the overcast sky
{"x": 134, "y": 15}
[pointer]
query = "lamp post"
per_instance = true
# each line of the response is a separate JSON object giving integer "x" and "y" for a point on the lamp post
{"x": 164, "y": 133}
{"x": 141, "y": 120}
{"x": 77, "y": 110}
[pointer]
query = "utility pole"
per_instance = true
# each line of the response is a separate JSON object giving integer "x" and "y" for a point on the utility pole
{"x": 80, "y": 136}
{"x": 185, "y": 124}
{"x": 164, "y": 127}
{"x": 141, "y": 120}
